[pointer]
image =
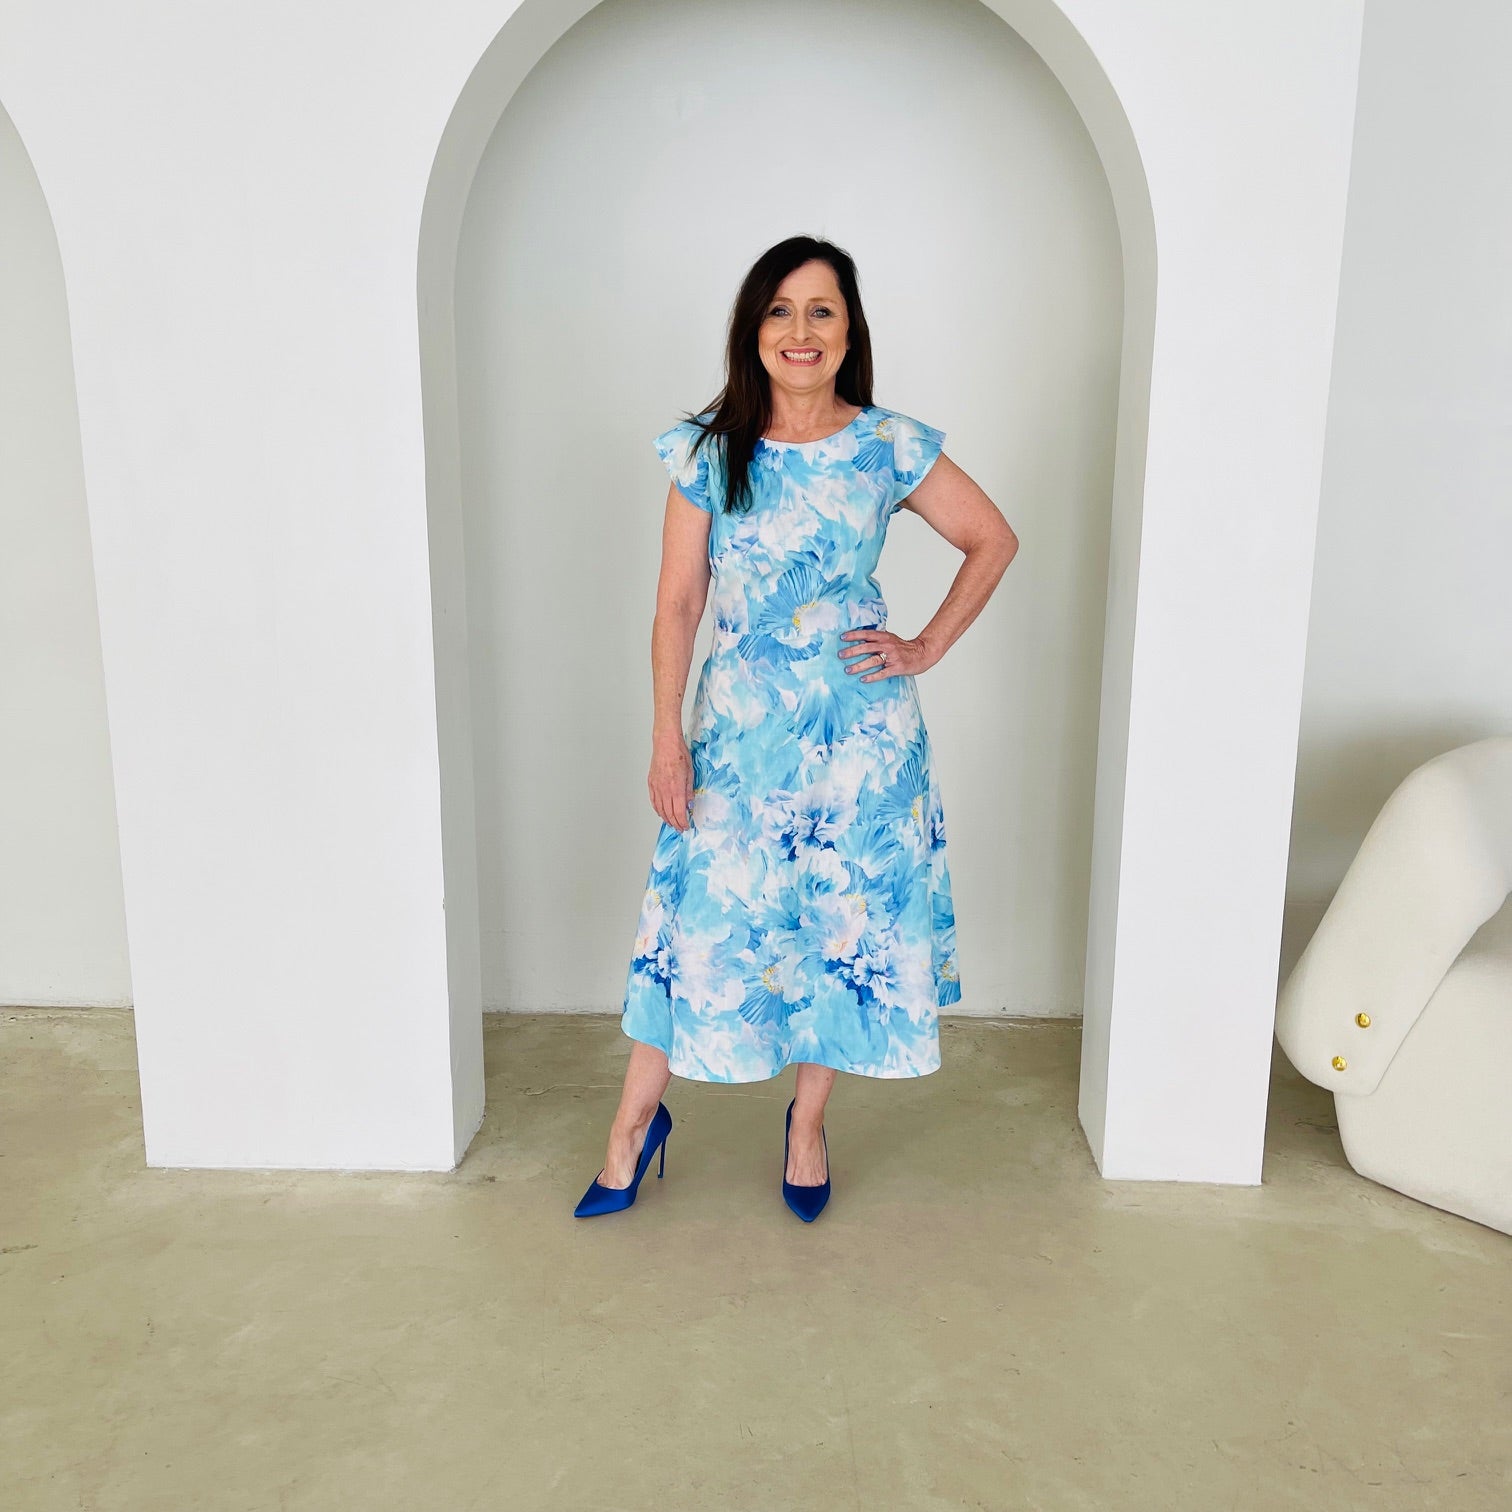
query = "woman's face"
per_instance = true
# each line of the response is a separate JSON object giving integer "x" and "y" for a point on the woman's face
{"x": 804, "y": 334}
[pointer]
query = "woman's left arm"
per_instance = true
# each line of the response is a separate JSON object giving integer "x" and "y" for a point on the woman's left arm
{"x": 952, "y": 504}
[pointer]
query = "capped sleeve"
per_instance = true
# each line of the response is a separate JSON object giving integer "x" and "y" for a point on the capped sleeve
{"x": 691, "y": 472}
{"x": 915, "y": 447}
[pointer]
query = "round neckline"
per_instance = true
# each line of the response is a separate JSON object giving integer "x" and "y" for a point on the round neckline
{"x": 865, "y": 410}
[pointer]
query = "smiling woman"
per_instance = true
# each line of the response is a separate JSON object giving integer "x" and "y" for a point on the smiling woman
{"x": 798, "y": 905}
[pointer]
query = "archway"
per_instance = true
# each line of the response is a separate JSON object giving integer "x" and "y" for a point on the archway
{"x": 518, "y": 46}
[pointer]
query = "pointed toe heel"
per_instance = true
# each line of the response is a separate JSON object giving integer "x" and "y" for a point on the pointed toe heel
{"x": 806, "y": 1201}
{"x": 601, "y": 1199}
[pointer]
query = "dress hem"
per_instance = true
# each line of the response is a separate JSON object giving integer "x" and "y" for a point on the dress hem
{"x": 773, "y": 1075}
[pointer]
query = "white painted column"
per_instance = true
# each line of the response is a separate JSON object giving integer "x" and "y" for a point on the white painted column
{"x": 1243, "y": 119}
{"x": 237, "y": 205}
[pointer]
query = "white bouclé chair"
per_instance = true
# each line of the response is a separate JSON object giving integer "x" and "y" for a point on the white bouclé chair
{"x": 1401, "y": 1004}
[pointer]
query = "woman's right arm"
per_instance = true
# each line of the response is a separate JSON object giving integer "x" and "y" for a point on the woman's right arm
{"x": 681, "y": 593}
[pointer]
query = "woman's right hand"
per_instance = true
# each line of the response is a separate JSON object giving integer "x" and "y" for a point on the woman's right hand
{"x": 670, "y": 781}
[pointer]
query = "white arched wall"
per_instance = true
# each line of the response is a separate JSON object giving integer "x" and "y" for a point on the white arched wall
{"x": 282, "y": 619}
{"x": 1007, "y": 330}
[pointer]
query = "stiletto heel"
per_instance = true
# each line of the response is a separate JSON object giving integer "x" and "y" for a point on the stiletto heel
{"x": 601, "y": 1199}
{"x": 661, "y": 1170}
{"x": 807, "y": 1201}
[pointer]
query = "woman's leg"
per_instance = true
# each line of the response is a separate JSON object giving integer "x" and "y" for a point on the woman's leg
{"x": 646, "y": 1078}
{"x": 806, "y": 1162}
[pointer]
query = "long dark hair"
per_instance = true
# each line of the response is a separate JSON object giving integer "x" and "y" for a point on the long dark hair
{"x": 742, "y": 411}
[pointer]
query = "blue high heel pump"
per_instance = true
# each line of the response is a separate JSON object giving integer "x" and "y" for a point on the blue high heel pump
{"x": 601, "y": 1199}
{"x": 807, "y": 1201}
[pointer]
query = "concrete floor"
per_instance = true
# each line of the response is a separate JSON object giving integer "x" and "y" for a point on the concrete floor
{"x": 977, "y": 1321}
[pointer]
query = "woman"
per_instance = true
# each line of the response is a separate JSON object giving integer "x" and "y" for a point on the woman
{"x": 798, "y": 907}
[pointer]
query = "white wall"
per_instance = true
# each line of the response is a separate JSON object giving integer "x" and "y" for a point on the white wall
{"x": 279, "y": 625}
{"x": 1409, "y": 648}
{"x": 618, "y": 204}
{"x": 62, "y": 919}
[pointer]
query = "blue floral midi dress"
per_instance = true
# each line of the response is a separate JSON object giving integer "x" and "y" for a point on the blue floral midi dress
{"x": 805, "y": 913}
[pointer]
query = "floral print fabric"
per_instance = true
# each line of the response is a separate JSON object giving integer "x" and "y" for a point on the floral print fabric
{"x": 805, "y": 914}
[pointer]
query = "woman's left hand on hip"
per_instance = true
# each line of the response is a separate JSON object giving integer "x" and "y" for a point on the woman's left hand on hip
{"x": 874, "y": 654}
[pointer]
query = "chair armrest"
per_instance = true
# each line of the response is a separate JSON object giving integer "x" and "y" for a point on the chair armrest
{"x": 1433, "y": 867}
